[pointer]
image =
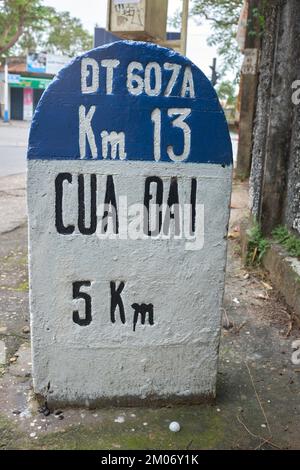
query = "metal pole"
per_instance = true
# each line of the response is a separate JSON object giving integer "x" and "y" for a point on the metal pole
{"x": 184, "y": 25}
{"x": 214, "y": 73}
{"x": 6, "y": 116}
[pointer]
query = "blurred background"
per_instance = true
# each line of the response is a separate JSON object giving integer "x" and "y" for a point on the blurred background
{"x": 38, "y": 37}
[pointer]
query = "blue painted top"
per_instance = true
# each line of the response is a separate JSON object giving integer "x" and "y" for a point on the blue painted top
{"x": 130, "y": 101}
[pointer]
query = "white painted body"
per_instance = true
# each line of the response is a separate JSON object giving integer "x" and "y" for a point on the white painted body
{"x": 175, "y": 357}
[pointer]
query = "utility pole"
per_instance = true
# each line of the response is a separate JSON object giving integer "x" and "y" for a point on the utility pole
{"x": 248, "y": 90}
{"x": 6, "y": 115}
{"x": 214, "y": 73}
{"x": 184, "y": 26}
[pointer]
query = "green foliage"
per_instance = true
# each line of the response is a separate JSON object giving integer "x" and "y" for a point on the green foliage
{"x": 63, "y": 34}
{"x": 224, "y": 17}
{"x": 27, "y": 25}
{"x": 259, "y": 17}
{"x": 15, "y": 17}
{"x": 289, "y": 241}
{"x": 67, "y": 35}
{"x": 257, "y": 246}
{"x": 227, "y": 92}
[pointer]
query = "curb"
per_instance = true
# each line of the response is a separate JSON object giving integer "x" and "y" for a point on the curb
{"x": 283, "y": 269}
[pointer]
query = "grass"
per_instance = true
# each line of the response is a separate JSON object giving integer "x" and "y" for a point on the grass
{"x": 289, "y": 241}
{"x": 257, "y": 246}
{"x": 22, "y": 287}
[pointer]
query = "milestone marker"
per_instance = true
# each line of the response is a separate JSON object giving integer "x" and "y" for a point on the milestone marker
{"x": 129, "y": 183}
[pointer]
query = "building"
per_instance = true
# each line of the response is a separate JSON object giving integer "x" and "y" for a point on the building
{"x": 28, "y": 77}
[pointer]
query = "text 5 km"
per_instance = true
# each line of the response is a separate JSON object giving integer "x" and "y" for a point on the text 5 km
{"x": 153, "y": 79}
{"x": 143, "y": 311}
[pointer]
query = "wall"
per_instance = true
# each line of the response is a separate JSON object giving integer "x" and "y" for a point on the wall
{"x": 274, "y": 182}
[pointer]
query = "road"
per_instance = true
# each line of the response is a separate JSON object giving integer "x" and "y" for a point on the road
{"x": 13, "y": 145}
{"x": 12, "y": 160}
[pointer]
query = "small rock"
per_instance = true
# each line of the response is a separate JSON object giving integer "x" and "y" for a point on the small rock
{"x": 26, "y": 329}
{"x": 174, "y": 426}
{"x": 120, "y": 419}
{"x": 13, "y": 359}
{"x": 57, "y": 412}
{"x": 16, "y": 412}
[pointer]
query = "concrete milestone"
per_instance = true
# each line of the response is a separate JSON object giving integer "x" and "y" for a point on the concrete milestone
{"x": 129, "y": 183}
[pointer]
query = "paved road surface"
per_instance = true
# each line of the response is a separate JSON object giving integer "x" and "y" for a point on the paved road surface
{"x": 12, "y": 160}
{"x": 13, "y": 145}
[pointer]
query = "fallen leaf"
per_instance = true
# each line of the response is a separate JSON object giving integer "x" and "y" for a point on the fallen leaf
{"x": 262, "y": 296}
{"x": 233, "y": 235}
{"x": 266, "y": 285}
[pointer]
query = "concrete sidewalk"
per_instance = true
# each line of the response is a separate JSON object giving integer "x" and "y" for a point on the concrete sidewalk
{"x": 258, "y": 401}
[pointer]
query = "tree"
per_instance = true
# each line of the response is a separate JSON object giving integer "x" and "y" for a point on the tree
{"x": 15, "y": 17}
{"x": 224, "y": 17}
{"x": 227, "y": 92}
{"x": 28, "y": 25}
{"x": 63, "y": 34}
